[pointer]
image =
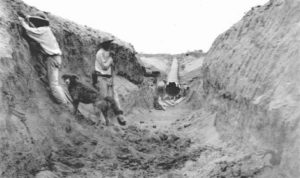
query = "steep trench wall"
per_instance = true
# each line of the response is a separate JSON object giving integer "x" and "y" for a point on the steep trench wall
{"x": 251, "y": 79}
{"x": 32, "y": 126}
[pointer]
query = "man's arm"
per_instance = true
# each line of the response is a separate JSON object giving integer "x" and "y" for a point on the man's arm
{"x": 29, "y": 30}
{"x": 108, "y": 63}
{"x": 103, "y": 61}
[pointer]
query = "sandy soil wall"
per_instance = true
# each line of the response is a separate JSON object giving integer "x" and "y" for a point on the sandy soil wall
{"x": 251, "y": 79}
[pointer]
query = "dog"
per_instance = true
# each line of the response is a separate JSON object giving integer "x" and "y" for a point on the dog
{"x": 81, "y": 93}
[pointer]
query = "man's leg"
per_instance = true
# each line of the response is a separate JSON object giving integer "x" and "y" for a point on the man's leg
{"x": 102, "y": 86}
{"x": 53, "y": 65}
{"x": 112, "y": 92}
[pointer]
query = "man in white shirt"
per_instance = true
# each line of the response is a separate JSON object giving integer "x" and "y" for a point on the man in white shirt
{"x": 103, "y": 74}
{"x": 37, "y": 28}
{"x": 103, "y": 69}
{"x": 161, "y": 92}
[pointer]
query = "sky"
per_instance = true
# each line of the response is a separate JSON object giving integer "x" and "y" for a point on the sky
{"x": 155, "y": 26}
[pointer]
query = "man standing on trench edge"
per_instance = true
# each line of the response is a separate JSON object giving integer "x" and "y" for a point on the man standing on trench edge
{"x": 37, "y": 28}
{"x": 103, "y": 73}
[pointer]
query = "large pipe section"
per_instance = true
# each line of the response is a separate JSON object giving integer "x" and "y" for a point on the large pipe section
{"x": 172, "y": 87}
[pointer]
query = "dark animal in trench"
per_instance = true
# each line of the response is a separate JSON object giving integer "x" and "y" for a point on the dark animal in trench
{"x": 81, "y": 93}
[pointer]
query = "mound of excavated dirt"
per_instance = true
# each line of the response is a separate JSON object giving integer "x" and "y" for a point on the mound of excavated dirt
{"x": 128, "y": 152}
{"x": 189, "y": 64}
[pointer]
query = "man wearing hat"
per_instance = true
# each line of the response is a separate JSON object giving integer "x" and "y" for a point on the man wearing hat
{"x": 103, "y": 73}
{"x": 37, "y": 28}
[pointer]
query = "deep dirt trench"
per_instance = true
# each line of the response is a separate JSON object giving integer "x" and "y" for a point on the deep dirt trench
{"x": 246, "y": 126}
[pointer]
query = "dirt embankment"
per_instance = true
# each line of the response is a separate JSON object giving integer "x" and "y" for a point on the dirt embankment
{"x": 189, "y": 64}
{"x": 251, "y": 85}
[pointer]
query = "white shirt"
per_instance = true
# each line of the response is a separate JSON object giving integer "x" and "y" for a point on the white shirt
{"x": 45, "y": 37}
{"x": 103, "y": 62}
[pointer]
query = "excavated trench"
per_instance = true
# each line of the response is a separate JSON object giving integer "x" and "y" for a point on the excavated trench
{"x": 239, "y": 119}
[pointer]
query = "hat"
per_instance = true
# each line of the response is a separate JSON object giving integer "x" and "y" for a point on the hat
{"x": 39, "y": 19}
{"x": 106, "y": 44}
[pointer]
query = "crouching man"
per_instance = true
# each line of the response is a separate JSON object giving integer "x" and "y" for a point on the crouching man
{"x": 103, "y": 73}
{"x": 161, "y": 92}
{"x": 37, "y": 28}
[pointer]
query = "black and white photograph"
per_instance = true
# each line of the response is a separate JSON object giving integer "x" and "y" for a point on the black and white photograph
{"x": 149, "y": 88}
